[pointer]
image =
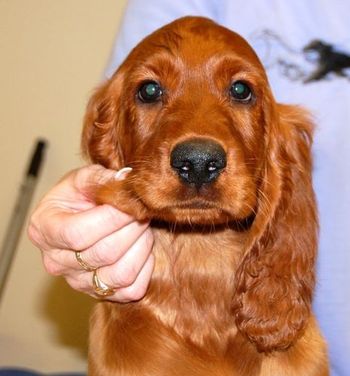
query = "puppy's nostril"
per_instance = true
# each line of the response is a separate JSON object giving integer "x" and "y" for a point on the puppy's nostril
{"x": 212, "y": 166}
{"x": 198, "y": 161}
{"x": 186, "y": 166}
{"x": 215, "y": 165}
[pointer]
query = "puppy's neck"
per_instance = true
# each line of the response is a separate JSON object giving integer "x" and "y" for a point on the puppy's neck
{"x": 191, "y": 251}
{"x": 193, "y": 281}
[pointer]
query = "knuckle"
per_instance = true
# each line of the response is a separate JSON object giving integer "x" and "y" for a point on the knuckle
{"x": 112, "y": 215}
{"x": 51, "y": 267}
{"x": 133, "y": 292}
{"x": 103, "y": 253}
{"x": 34, "y": 234}
{"x": 72, "y": 237}
{"x": 126, "y": 276}
{"x": 82, "y": 174}
{"x": 89, "y": 175}
{"x": 75, "y": 284}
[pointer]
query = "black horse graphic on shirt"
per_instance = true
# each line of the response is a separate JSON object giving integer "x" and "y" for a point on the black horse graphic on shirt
{"x": 314, "y": 62}
{"x": 329, "y": 60}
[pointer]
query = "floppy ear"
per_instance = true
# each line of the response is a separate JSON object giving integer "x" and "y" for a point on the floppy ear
{"x": 103, "y": 141}
{"x": 276, "y": 278}
{"x": 102, "y": 129}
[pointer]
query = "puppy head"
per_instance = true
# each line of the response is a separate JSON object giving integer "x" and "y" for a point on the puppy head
{"x": 189, "y": 111}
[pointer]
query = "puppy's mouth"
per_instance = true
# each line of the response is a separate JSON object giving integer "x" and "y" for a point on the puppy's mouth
{"x": 195, "y": 205}
{"x": 200, "y": 212}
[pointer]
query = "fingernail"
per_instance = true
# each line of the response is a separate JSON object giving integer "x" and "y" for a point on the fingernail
{"x": 121, "y": 174}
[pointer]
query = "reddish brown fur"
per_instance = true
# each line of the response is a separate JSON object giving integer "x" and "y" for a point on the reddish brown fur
{"x": 227, "y": 297}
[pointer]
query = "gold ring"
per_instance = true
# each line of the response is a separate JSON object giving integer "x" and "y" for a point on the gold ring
{"x": 100, "y": 288}
{"x": 82, "y": 263}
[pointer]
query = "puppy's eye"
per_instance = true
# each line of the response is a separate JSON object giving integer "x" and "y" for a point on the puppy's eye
{"x": 150, "y": 92}
{"x": 241, "y": 92}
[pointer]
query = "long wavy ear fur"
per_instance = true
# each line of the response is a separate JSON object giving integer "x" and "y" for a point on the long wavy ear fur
{"x": 275, "y": 281}
{"x": 103, "y": 142}
{"x": 101, "y": 131}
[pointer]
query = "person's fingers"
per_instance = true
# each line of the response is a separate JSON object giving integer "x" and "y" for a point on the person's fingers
{"x": 110, "y": 249}
{"x": 86, "y": 179}
{"x": 55, "y": 260}
{"x": 83, "y": 182}
{"x": 78, "y": 231}
{"x": 124, "y": 272}
{"x": 67, "y": 217}
{"x": 107, "y": 251}
{"x": 136, "y": 290}
{"x": 133, "y": 292}
{"x": 67, "y": 220}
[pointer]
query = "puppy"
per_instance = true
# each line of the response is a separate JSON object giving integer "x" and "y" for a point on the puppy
{"x": 224, "y": 174}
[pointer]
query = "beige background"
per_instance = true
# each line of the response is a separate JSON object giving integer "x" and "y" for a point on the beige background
{"x": 52, "y": 53}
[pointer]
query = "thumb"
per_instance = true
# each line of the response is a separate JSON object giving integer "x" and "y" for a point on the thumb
{"x": 87, "y": 179}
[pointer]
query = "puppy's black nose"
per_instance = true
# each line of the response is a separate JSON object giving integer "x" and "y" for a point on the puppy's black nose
{"x": 198, "y": 161}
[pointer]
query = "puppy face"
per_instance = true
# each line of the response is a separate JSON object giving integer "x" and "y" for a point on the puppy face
{"x": 188, "y": 111}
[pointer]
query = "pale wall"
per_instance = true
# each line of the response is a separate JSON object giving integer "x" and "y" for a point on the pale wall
{"x": 52, "y": 53}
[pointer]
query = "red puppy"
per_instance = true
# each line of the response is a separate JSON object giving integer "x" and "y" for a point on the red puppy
{"x": 224, "y": 174}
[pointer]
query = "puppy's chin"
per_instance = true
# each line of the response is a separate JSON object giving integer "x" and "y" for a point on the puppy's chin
{"x": 192, "y": 216}
{"x": 205, "y": 216}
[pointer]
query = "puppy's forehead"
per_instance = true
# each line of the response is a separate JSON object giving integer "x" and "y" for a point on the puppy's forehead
{"x": 195, "y": 39}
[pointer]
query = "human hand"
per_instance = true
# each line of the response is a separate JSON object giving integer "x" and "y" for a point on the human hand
{"x": 67, "y": 220}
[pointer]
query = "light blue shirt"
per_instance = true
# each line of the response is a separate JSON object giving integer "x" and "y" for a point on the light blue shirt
{"x": 278, "y": 30}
